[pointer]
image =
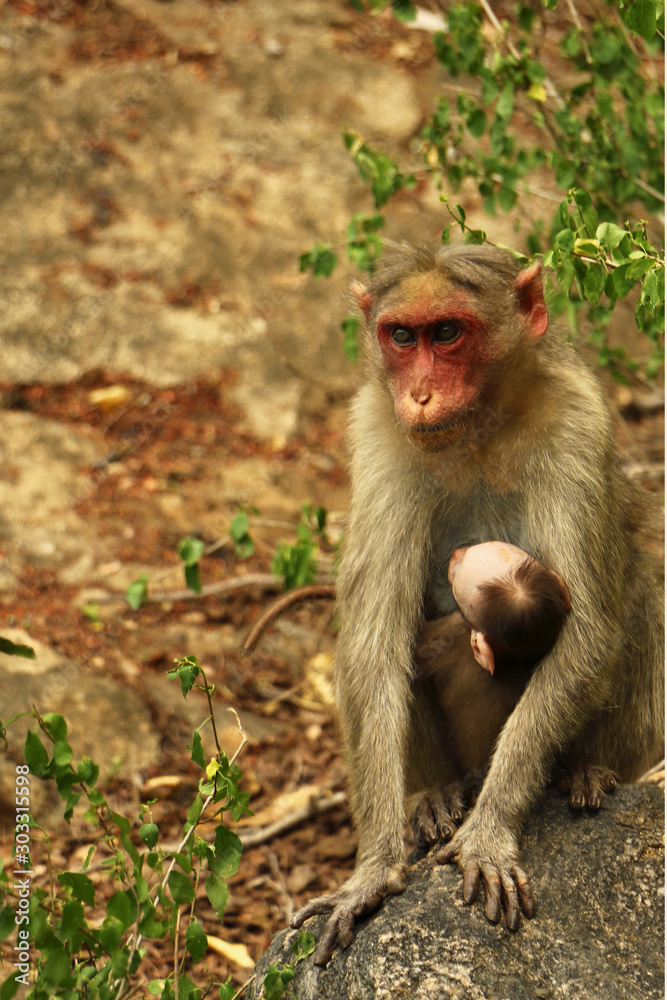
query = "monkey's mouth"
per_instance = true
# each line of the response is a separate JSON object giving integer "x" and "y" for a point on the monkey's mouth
{"x": 434, "y": 437}
{"x": 436, "y": 428}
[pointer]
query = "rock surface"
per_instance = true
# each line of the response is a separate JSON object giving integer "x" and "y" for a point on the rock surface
{"x": 598, "y": 934}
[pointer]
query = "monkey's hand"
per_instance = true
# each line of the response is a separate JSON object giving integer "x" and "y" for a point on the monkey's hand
{"x": 491, "y": 855}
{"x": 442, "y": 809}
{"x": 587, "y": 786}
{"x": 361, "y": 894}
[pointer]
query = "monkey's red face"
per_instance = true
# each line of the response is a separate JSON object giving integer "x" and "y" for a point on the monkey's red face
{"x": 435, "y": 350}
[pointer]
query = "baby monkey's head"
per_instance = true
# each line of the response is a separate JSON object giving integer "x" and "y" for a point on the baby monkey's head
{"x": 514, "y": 605}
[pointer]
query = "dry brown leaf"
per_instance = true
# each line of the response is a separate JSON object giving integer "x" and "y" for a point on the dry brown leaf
{"x": 236, "y": 954}
{"x": 284, "y": 805}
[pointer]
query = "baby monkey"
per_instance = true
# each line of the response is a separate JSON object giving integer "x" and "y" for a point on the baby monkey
{"x": 514, "y": 606}
{"x": 511, "y": 611}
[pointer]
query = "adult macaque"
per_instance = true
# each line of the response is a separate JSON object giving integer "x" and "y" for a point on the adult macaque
{"x": 477, "y": 422}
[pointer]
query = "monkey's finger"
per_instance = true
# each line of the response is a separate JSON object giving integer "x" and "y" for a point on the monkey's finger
{"x": 492, "y": 889}
{"x": 578, "y": 791}
{"x": 470, "y": 882}
{"x": 564, "y": 784}
{"x": 444, "y": 822}
{"x": 321, "y": 904}
{"x": 422, "y": 825}
{"x": 455, "y": 803}
{"x": 345, "y": 931}
{"x": 367, "y": 905}
{"x": 510, "y": 901}
{"x": 446, "y": 853}
{"x": 395, "y": 884}
{"x": 522, "y": 883}
{"x": 327, "y": 943}
{"x": 608, "y": 781}
{"x": 598, "y": 781}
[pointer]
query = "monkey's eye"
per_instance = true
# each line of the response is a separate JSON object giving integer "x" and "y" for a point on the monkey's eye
{"x": 403, "y": 336}
{"x": 446, "y": 332}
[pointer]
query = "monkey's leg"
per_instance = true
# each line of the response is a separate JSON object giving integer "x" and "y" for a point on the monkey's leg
{"x": 587, "y": 785}
{"x": 383, "y": 874}
{"x": 438, "y": 814}
{"x": 443, "y": 808}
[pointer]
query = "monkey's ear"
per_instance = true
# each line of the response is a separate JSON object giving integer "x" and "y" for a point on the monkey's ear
{"x": 565, "y": 591}
{"x": 530, "y": 299}
{"x": 364, "y": 298}
{"x": 482, "y": 651}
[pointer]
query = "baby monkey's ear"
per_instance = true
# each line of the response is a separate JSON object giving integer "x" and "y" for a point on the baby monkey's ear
{"x": 482, "y": 651}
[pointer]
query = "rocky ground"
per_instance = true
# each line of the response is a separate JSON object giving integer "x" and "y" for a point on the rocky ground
{"x": 164, "y": 361}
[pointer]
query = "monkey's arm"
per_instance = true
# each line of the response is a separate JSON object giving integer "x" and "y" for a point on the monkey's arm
{"x": 379, "y": 598}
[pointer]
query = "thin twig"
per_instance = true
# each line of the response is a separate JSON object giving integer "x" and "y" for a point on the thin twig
{"x": 314, "y": 592}
{"x": 579, "y": 26}
{"x": 312, "y": 808}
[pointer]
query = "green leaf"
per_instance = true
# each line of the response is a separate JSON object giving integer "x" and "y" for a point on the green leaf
{"x": 276, "y": 981}
{"x": 476, "y": 123}
{"x": 181, "y": 888}
{"x": 62, "y": 753}
{"x": 56, "y": 725}
{"x": 193, "y": 578}
{"x": 7, "y": 923}
{"x": 80, "y": 885}
{"x": 594, "y": 282}
{"x": 16, "y": 649}
{"x": 123, "y": 907}
{"x": 191, "y": 550}
{"x": 195, "y": 811}
{"x": 149, "y": 833}
{"x": 187, "y": 671}
{"x": 56, "y": 969}
{"x": 87, "y": 771}
{"x": 226, "y": 991}
{"x": 137, "y": 593}
{"x": 610, "y": 234}
{"x": 404, "y": 10}
{"x": 228, "y": 849}
{"x": 321, "y": 260}
{"x": 197, "y": 754}
{"x": 91, "y": 611}
{"x": 350, "y": 327}
{"x": 565, "y": 240}
{"x": 641, "y": 18}
{"x": 217, "y": 891}
{"x": 303, "y": 946}
{"x": 34, "y": 753}
{"x": 10, "y": 987}
{"x": 238, "y": 529}
{"x": 196, "y": 941}
{"x": 622, "y": 284}
{"x": 505, "y": 105}
{"x": 638, "y": 268}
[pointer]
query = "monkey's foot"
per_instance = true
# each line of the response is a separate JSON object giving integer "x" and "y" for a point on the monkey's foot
{"x": 483, "y": 855}
{"x": 587, "y": 786}
{"x": 361, "y": 894}
{"x": 441, "y": 810}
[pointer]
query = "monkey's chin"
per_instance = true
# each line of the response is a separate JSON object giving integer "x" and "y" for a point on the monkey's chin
{"x": 436, "y": 438}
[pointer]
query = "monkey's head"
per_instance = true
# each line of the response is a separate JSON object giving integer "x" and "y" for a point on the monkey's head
{"x": 440, "y": 323}
{"x": 515, "y": 606}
